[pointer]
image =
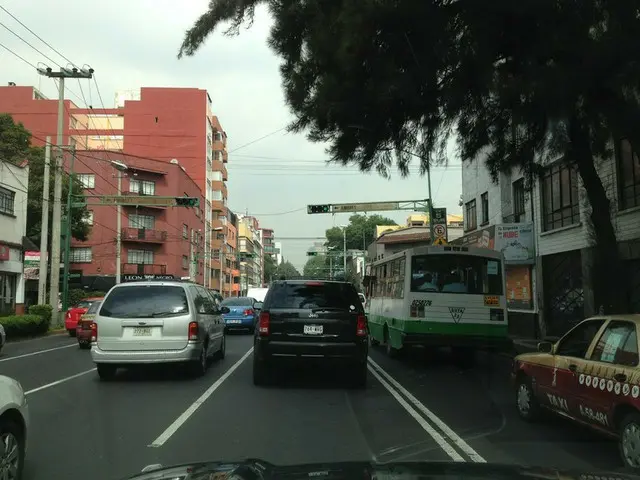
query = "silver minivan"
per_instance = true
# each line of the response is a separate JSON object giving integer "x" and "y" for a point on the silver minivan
{"x": 153, "y": 322}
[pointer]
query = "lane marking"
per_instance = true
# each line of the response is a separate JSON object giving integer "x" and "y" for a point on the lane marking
{"x": 178, "y": 422}
{"x": 38, "y": 352}
{"x": 453, "y": 436}
{"x": 58, "y": 382}
{"x": 439, "y": 439}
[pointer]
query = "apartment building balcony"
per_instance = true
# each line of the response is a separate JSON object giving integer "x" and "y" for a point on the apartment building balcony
{"x": 144, "y": 269}
{"x": 218, "y": 206}
{"x": 143, "y": 235}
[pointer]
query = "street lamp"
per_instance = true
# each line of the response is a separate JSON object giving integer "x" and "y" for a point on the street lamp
{"x": 120, "y": 167}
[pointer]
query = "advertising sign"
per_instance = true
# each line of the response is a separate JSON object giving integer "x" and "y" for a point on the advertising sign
{"x": 515, "y": 241}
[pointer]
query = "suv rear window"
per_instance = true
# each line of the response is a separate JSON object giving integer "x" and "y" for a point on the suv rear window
{"x": 94, "y": 307}
{"x": 151, "y": 301}
{"x": 313, "y": 295}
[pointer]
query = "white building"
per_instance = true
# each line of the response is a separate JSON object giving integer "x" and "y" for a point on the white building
{"x": 278, "y": 246}
{"x": 551, "y": 292}
{"x": 14, "y": 181}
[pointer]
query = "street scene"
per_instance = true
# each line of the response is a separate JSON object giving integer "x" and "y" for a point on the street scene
{"x": 262, "y": 239}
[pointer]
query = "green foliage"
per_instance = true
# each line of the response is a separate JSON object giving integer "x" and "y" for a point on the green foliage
{"x": 15, "y": 147}
{"x": 316, "y": 268}
{"x": 286, "y": 270}
{"x": 44, "y": 311}
{"x": 270, "y": 268}
{"x": 16, "y": 326}
{"x": 78, "y": 294}
{"x": 361, "y": 232}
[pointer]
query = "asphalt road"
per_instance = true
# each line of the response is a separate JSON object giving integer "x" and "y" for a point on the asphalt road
{"x": 420, "y": 408}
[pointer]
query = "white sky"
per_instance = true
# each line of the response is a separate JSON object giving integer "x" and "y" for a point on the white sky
{"x": 131, "y": 44}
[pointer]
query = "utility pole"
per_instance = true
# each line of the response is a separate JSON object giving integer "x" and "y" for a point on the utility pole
{"x": 431, "y": 232}
{"x": 44, "y": 232}
{"x": 57, "y": 185}
{"x": 119, "y": 234}
{"x": 67, "y": 238}
{"x": 344, "y": 256}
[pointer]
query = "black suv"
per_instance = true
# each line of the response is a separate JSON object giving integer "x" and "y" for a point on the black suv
{"x": 311, "y": 320}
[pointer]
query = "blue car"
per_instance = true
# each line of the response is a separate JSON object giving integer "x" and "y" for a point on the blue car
{"x": 242, "y": 315}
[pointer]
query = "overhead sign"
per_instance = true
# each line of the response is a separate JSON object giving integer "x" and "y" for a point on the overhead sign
{"x": 137, "y": 200}
{"x": 439, "y": 225}
{"x": 365, "y": 207}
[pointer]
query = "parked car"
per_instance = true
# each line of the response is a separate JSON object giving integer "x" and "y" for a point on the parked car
{"x": 242, "y": 314}
{"x": 309, "y": 320}
{"x": 72, "y": 317}
{"x": 84, "y": 329}
{"x": 154, "y": 322}
{"x": 3, "y": 337}
{"x": 14, "y": 427}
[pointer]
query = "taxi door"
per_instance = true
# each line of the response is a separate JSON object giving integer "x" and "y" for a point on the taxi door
{"x": 604, "y": 380}
{"x": 570, "y": 354}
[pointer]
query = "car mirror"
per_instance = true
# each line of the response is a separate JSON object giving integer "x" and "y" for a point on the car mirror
{"x": 257, "y": 306}
{"x": 224, "y": 310}
{"x": 545, "y": 347}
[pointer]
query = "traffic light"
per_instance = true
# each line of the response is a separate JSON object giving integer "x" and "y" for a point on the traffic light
{"x": 312, "y": 254}
{"x": 318, "y": 209}
{"x": 187, "y": 202}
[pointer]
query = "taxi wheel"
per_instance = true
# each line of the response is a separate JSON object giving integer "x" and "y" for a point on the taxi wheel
{"x": 526, "y": 402}
{"x": 629, "y": 440}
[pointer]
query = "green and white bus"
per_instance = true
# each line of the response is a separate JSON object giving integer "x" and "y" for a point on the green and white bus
{"x": 438, "y": 296}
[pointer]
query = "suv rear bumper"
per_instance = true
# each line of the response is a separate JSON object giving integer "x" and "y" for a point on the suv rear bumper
{"x": 266, "y": 349}
{"x": 125, "y": 357}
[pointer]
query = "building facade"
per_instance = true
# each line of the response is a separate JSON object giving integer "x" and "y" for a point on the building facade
{"x": 14, "y": 188}
{"x": 154, "y": 123}
{"x": 549, "y": 287}
{"x": 155, "y": 239}
{"x": 249, "y": 252}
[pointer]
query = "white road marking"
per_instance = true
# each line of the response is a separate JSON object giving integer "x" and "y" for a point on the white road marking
{"x": 455, "y": 456}
{"x": 38, "y": 352}
{"x": 453, "y": 436}
{"x": 58, "y": 382}
{"x": 173, "y": 428}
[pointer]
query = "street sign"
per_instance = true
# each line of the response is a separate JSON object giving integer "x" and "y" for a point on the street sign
{"x": 439, "y": 225}
{"x": 439, "y": 230}
{"x": 365, "y": 207}
{"x": 440, "y": 241}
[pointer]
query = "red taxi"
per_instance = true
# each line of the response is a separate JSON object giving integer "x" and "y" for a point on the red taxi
{"x": 72, "y": 317}
{"x": 85, "y": 330}
{"x": 590, "y": 376}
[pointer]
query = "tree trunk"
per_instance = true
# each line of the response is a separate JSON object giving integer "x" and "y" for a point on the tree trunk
{"x": 608, "y": 273}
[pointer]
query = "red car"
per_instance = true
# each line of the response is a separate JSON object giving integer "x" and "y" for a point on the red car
{"x": 72, "y": 317}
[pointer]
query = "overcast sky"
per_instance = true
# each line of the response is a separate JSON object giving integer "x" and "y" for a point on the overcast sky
{"x": 131, "y": 44}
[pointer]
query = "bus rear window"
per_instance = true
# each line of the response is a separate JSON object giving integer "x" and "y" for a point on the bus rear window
{"x": 456, "y": 274}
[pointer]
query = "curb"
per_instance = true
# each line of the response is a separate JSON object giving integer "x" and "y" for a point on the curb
{"x": 50, "y": 333}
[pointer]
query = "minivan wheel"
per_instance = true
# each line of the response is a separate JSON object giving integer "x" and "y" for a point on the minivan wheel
{"x": 223, "y": 348}
{"x": 106, "y": 371}
{"x": 199, "y": 367}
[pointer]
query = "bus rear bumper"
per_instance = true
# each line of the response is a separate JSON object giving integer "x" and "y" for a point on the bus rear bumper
{"x": 479, "y": 342}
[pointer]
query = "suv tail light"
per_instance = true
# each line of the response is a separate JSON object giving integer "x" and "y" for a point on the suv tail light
{"x": 193, "y": 331}
{"x": 94, "y": 331}
{"x": 249, "y": 311}
{"x": 263, "y": 323}
{"x": 361, "y": 326}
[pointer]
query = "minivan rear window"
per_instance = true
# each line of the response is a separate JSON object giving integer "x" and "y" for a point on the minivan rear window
{"x": 149, "y": 301}
{"x": 94, "y": 307}
{"x": 314, "y": 295}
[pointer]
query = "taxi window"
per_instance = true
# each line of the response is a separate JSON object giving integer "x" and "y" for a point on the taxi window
{"x": 577, "y": 341}
{"x": 618, "y": 344}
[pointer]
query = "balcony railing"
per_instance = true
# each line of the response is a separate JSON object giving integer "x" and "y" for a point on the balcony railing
{"x": 144, "y": 269}
{"x": 143, "y": 235}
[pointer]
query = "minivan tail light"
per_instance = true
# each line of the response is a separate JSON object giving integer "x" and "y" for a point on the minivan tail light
{"x": 193, "y": 331}
{"x": 94, "y": 331}
{"x": 361, "y": 326}
{"x": 263, "y": 323}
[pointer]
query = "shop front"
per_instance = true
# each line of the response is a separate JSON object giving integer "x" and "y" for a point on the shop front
{"x": 516, "y": 242}
{"x": 11, "y": 279}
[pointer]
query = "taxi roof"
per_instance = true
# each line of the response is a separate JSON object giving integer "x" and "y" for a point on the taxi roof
{"x": 629, "y": 317}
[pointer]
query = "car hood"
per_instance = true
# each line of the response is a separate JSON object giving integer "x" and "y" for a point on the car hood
{"x": 259, "y": 469}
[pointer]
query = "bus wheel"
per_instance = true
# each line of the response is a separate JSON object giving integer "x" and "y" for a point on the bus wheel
{"x": 373, "y": 341}
{"x": 391, "y": 352}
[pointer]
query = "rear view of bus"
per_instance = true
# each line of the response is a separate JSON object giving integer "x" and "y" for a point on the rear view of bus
{"x": 439, "y": 296}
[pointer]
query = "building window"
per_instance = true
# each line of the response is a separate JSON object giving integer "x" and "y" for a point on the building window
{"x": 518, "y": 200}
{"x": 471, "y": 217}
{"x": 218, "y": 136}
{"x": 142, "y": 187}
{"x": 216, "y": 176}
{"x": 484, "y": 203}
{"x": 89, "y": 218}
{"x": 185, "y": 262}
{"x": 81, "y": 255}
{"x": 7, "y": 201}
{"x": 142, "y": 221}
{"x": 185, "y": 231}
{"x": 560, "y": 202}
{"x": 140, "y": 257}
{"x": 217, "y": 195}
{"x": 88, "y": 180}
{"x": 629, "y": 174}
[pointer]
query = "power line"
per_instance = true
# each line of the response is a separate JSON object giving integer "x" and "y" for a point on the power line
{"x": 18, "y": 56}
{"x": 27, "y": 43}
{"x": 257, "y": 139}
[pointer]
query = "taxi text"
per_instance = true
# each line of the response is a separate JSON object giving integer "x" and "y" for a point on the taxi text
{"x": 558, "y": 402}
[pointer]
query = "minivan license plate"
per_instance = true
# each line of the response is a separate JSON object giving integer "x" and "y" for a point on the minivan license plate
{"x": 312, "y": 330}
{"x": 142, "y": 332}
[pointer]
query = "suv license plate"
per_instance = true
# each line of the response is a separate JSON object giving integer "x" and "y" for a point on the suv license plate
{"x": 312, "y": 330}
{"x": 142, "y": 331}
